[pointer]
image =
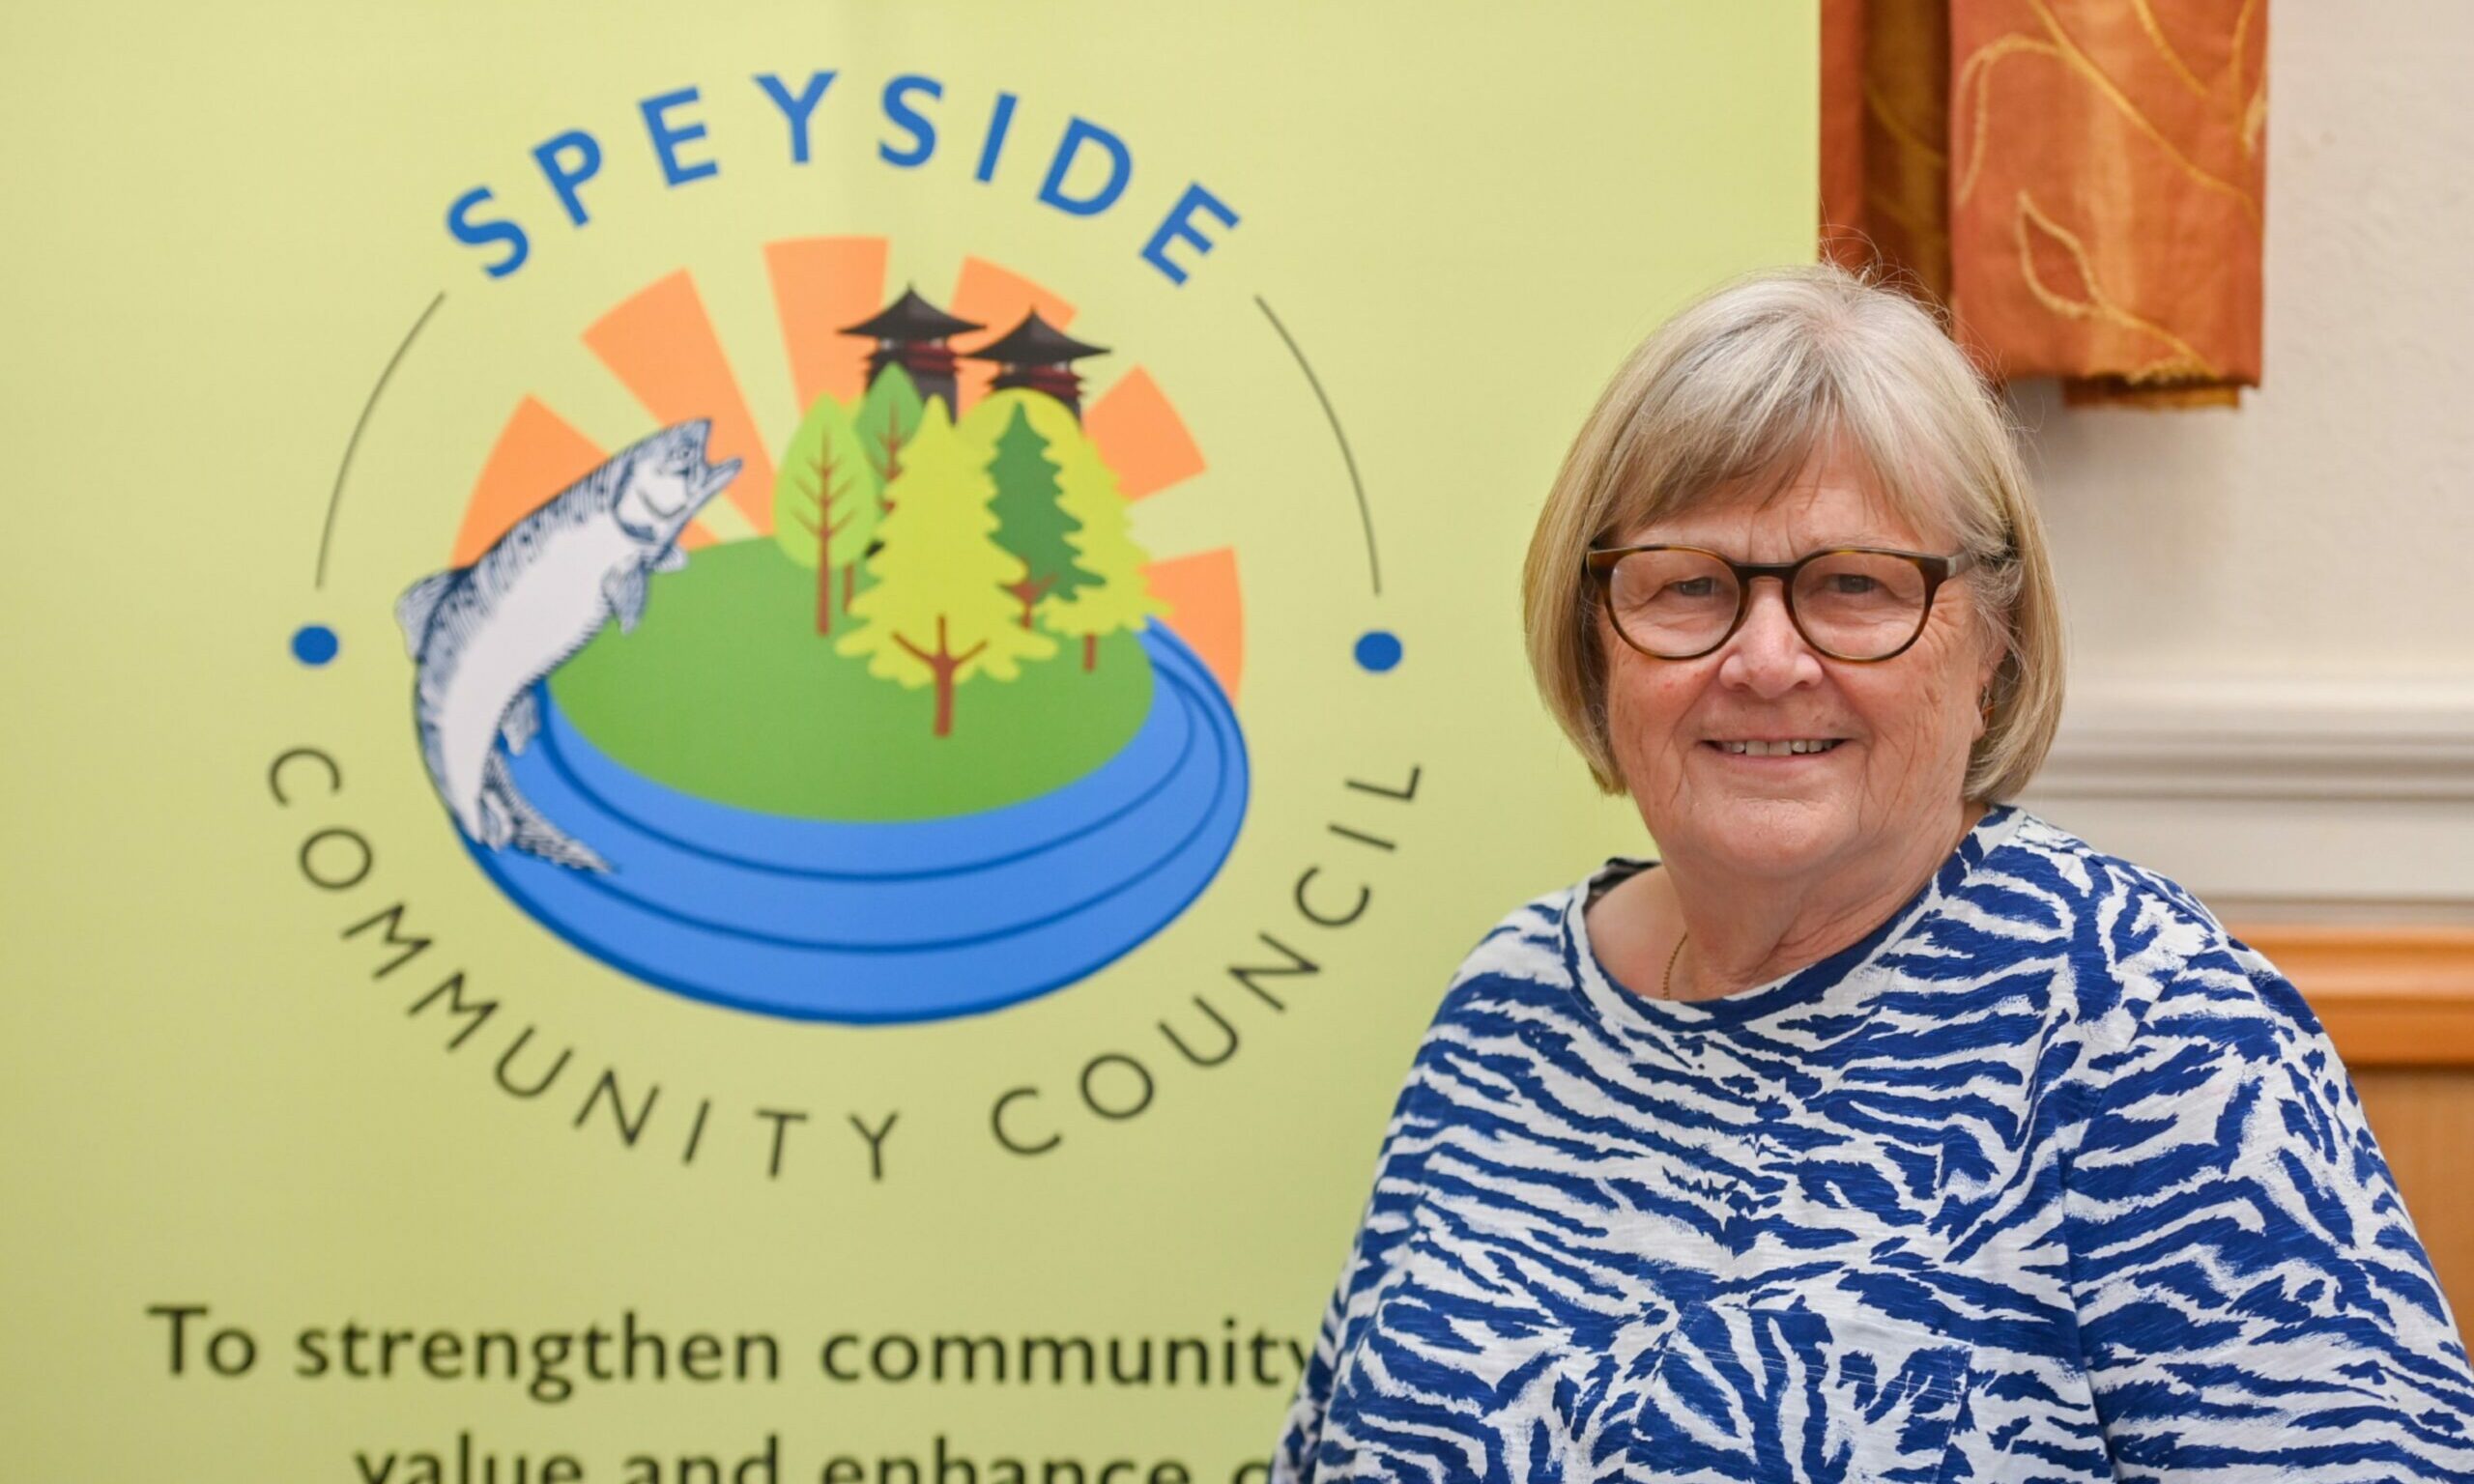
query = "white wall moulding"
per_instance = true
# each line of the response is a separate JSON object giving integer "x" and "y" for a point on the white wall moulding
{"x": 2331, "y": 800}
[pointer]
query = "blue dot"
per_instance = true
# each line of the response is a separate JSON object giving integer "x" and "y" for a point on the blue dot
{"x": 1378, "y": 650}
{"x": 314, "y": 645}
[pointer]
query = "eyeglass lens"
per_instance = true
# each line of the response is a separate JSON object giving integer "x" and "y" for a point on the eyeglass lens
{"x": 1852, "y": 605}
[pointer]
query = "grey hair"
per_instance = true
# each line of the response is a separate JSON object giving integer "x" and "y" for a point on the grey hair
{"x": 1739, "y": 391}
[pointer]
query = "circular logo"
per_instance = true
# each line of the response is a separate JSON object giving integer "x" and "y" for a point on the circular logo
{"x": 894, "y": 723}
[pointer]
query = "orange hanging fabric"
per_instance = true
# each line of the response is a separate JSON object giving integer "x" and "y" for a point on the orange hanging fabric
{"x": 2081, "y": 180}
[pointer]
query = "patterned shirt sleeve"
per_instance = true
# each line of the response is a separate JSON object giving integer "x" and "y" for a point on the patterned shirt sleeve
{"x": 2253, "y": 1299}
{"x": 1389, "y": 1213}
{"x": 1294, "y": 1462}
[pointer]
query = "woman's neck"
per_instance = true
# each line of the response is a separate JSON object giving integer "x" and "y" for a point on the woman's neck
{"x": 1736, "y": 933}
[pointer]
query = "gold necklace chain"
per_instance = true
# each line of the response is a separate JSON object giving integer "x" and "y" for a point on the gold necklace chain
{"x": 1666, "y": 980}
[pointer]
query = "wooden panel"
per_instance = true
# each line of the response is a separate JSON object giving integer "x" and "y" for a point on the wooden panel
{"x": 2389, "y": 996}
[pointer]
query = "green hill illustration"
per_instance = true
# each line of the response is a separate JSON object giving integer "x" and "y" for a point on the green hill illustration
{"x": 944, "y": 620}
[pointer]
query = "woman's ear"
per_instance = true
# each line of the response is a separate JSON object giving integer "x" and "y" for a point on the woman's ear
{"x": 1994, "y": 655}
{"x": 1987, "y": 680}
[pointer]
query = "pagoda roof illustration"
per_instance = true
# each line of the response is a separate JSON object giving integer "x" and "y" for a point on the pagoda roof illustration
{"x": 1034, "y": 342}
{"x": 912, "y": 318}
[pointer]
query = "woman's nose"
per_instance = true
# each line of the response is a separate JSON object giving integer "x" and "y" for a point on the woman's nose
{"x": 1767, "y": 655}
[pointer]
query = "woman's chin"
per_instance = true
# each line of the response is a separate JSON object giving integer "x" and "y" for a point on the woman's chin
{"x": 1764, "y": 836}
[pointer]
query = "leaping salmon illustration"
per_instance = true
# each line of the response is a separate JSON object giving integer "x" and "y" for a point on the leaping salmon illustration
{"x": 481, "y": 637}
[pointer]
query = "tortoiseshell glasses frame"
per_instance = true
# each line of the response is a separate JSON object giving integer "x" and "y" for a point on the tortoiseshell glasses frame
{"x": 1837, "y": 638}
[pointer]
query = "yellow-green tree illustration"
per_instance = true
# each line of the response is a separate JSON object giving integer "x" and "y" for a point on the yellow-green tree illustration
{"x": 887, "y": 420}
{"x": 1115, "y": 598}
{"x": 825, "y": 509}
{"x": 937, "y": 612}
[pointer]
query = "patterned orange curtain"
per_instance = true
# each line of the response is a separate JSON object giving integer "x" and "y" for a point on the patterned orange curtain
{"x": 2081, "y": 182}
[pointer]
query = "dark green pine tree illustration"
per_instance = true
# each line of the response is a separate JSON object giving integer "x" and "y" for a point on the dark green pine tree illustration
{"x": 1030, "y": 521}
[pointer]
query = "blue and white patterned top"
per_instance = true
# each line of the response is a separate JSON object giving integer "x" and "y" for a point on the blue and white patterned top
{"x": 2046, "y": 1179}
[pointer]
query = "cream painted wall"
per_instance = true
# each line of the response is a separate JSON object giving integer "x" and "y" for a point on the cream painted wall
{"x": 2271, "y": 609}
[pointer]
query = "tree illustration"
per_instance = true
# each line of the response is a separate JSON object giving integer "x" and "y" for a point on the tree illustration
{"x": 1030, "y": 520}
{"x": 937, "y": 612}
{"x": 888, "y": 418}
{"x": 1114, "y": 597}
{"x": 825, "y": 509}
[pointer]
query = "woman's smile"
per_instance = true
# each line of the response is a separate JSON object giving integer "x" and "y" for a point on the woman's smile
{"x": 1776, "y": 749}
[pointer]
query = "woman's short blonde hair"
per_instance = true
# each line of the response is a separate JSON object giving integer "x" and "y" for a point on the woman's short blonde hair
{"x": 1737, "y": 392}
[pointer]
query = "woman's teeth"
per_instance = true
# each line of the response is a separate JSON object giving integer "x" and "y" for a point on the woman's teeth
{"x": 1779, "y": 749}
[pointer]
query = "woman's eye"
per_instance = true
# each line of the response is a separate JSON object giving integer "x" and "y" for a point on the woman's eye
{"x": 1852, "y": 584}
{"x": 1692, "y": 587}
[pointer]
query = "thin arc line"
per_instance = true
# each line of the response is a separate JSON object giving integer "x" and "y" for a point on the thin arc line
{"x": 1364, "y": 513}
{"x": 334, "y": 500}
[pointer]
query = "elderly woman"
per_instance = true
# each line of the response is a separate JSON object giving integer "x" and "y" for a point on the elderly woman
{"x": 1878, "y": 1129}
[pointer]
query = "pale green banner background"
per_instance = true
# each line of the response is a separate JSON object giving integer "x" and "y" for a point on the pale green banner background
{"x": 224, "y": 221}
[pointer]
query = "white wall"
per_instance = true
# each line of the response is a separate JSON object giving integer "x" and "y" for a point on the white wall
{"x": 2272, "y": 608}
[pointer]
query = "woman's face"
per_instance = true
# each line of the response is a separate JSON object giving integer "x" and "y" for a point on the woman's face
{"x": 1904, "y": 726}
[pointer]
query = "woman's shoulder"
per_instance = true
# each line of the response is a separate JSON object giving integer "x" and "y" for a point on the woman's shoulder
{"x": 1526, "y": 943}
{"x": 2089, "y": 877}
{"x": 2081, "y": 885}
{"x": 1530, "y": 951}
{"x": 2135, "y": 938}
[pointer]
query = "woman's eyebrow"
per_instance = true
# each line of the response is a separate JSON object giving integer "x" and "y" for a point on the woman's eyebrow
{"x": 1736, "y": 548}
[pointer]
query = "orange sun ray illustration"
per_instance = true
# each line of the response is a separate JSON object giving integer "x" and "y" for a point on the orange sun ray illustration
{"x": 536, "y": 455}
{"x": 661, "y": 345}
{"x": 1206, "y": 608}
{"x": 1141, "y": 436}
{"x": 821, "y": 284}
{"x": 997, "y": 298}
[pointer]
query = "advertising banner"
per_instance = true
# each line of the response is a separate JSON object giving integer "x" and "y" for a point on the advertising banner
{"x": 741, "y": 743}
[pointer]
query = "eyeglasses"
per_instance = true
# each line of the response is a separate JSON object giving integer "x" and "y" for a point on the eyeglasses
{"x": 1856, "y": 603}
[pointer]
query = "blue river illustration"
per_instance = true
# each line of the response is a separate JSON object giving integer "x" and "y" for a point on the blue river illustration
{"x": 886, "y": 923}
